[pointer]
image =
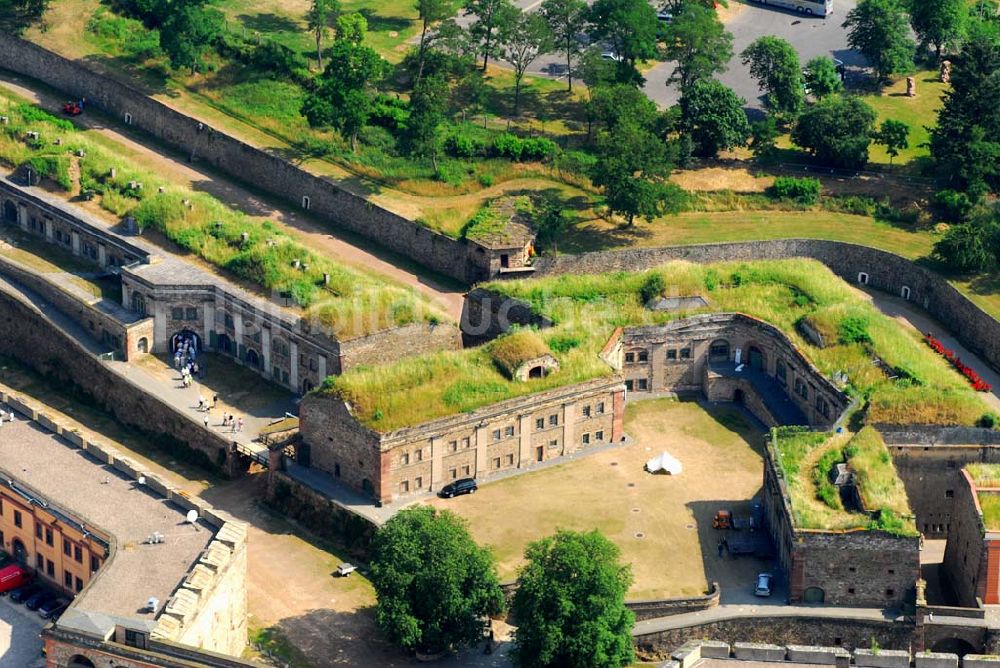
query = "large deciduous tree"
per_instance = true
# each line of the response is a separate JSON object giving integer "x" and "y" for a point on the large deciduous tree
{"x": 879, "y": 30}
{"x": 837, "y": 130}
{"x": 526, "y": 38}
{"x": 973, "y": 245}
{"x": 567, "y": 20}
{"x": 422, "y": 137}
{"x": 570, "y": 604}
{"x": 965, "y": 143}
{"x": 699, "y": 43}
{"x": 822, "y": 77}
{"x": 774, "y": 63}
{"x": 435, "y": 587}
{"x": 344, "y": 94}
{"x": 629, "y": 28}
{"x": 491, "y": 18}
{"x": 430, "y": 12}
{"x": 712, "y": 114}
{"x": 16, "y": 15}
{"x": 320, "y": 15}
{"x": 939, "y": 23}
{"x": 187, "y": 32}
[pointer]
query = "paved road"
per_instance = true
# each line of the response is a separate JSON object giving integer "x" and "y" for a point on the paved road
{"x": 811, "y": 37}
{"x": 20, "y": 646}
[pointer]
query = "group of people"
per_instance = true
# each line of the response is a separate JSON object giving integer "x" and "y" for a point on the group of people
{"x": 186, "y": 361}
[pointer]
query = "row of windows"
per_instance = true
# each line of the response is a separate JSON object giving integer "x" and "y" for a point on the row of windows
{"x": 45, "y": 533}
{"x": 674, "y": 354}
{"x": 180, "y": 313}
{"x": 637, "y": 384}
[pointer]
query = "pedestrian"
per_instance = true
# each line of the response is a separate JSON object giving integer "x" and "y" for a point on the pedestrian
{"x": 720, "y": 549}
{"x": 239, "y": 425}
{"x": 206, "y": 420}
{"x": 194, "y": 368}
{"x": 215, "y": 400}
{"x": 232, "y": 424}
{"x": 201, "y": 403}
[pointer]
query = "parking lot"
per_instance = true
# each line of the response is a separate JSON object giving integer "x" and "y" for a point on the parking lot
{"x": 20, "y": 646}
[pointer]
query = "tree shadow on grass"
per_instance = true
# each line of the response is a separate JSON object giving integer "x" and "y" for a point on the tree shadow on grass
{"x": 269, "y": 23}
{"x": 380, "y": 23}
{"x": 150, "y": 80}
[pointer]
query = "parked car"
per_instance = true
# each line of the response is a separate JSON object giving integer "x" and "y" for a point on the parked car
{"x": 53, "y": 607}
{"x": 664, "y": 16}
{"x": 608, "y": 54}
{"x": 39, "y": 599}
{"x": 764, "y": 582}
{"x": 13, "y": 577}
{"x": 462, "y": 486}
{"x": 24, "y": 592}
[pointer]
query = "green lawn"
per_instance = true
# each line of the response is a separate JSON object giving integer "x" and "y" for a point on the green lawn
{"x": 918, "y": 112}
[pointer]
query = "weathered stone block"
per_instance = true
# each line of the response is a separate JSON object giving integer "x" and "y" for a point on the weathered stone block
{"x": 981, "y": 661}
{"x": 814, "y": 654}
{"x": 935, "y": 660}
{"x": 714, "y": 649}
{"x": 883, "y": 658}
{"x": 687, "y": 654}
{"x": 752, "y": 651}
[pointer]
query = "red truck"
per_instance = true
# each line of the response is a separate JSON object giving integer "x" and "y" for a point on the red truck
{"x": 12, "y": 577}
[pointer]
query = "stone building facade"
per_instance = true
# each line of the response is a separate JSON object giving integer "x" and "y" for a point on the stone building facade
{"x": 731, "y": 357}
{"x": 856, "y": 568}
{"x": 510, "y": 435}
{"x": 972, "y": 554}
{"x": 165, "y": 299}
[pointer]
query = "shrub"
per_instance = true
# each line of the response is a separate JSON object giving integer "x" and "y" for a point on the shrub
{"x": 805, "y": 190}
{"x": 389, "y": 112}
{"x": 854, "y": 204}
{"x": 486, "y": 180}
{"x": 538, "y": 148}
{"x": 953, "y": 205}
{"x": 464, "y": 146}
{"x": 508, "y": 146}
{"x": 451, "y": 173}
{"x": 378, "y": 138}
{"x": 577, "y": 162}
{"x": 987, "y": 421}
{"x": 853, "y": 329}
{"x": 654, "y": 286}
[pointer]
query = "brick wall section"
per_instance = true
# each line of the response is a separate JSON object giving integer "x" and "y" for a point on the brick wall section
{"x": 853, "y": 568}
{"x": 34, "y": 340}
{"x": 262, "y": 170}
{"x": 966, "y": 556}
{"x": 886, "y": 271}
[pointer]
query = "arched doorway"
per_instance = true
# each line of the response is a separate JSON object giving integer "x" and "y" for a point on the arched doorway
{"x": 954, "y": 646}
{"x": 20, "y": 552}
{"x": 139, "y": 303}
{"x": 813, "y": 595}
{"x": 536, "y": 371}
{"x": 80, "y": 661}
{"x": 143, "y": 345}
{"x": 253, "y": 359}
{"x": 755, "y": 358}
{"x": 9, "y": 212}
{"x": 224, "y": 344}
{"x": 718, "y": 351}
{"x": 185, "y": 336}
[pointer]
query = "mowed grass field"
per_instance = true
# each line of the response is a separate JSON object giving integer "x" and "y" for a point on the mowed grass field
{"x": 610, "y": 491}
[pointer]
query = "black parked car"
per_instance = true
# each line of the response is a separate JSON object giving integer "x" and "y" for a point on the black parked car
{"x": 22, "y": 594}
{"x": 39, "y": 599}
{"x": 53, "y": 607}
{"x": 463, "y": 486}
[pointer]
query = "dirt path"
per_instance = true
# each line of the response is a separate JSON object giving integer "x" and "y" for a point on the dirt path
{"x": 310, "y": 231}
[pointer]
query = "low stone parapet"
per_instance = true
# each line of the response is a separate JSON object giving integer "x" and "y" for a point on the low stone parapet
{"x": 935, "y": 660}
{"x": 882, "y": 658}
{"x": 753, "y": 651}
{"x": 817, "y": 655}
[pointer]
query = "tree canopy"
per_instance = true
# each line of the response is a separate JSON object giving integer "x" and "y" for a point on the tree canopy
{"x": 699, "y": 43}
{"x": 973, "y": 245}
{"x": 570, "y": 604}
{"x": 938, "y": 23}
{"x": 713, "y": 115}
{"x": 878, "y": 29}
{"x": 894, "y": 135}
{"x": 526, "y": 38}
{"x": 320, "y": 15}
{"x": 491, "y": 18}
{"x": 435, "y": 587}
{"x": 188, "y": 31}
{"x": 837, "y": 130}
{"x": 965, "y": 143}
{"x": 567, "y": 20}
{"x": 774, "y": 63}
{"x": 629, "y": 27}
{"x": 822, "y": 77}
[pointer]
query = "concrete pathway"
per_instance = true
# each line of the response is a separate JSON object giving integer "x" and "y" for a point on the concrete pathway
{"x": 765, "y": 609}
{"x": 317, "y": 235}
{"x": 915, "y": 318}
{"x": 20, "y": 646}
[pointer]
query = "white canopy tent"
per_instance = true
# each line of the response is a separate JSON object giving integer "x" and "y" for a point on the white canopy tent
{"x": 664, "y": 463}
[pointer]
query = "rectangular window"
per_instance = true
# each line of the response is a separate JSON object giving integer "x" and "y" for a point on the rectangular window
{"x": 643, "y": 384}
{"x": 77, "y": 554}
{"x": 453, "y": 446}
{"x": 685, "y": 353}
{"x": 49, "y": 540}
{"x": 600, "y": 408}
{"x": 38, "y": 531}
{"x": 50, "y": 568}
{"x": 553, "y": 420}
{"x": 466, "y": 442}
{"x": 404, "y": 487}
{"x": 949, "y": 494}
{"x": 643, "y": 356}
{"x": 496, "y": 434}
{"x": 17, "y": 518}
{"x": 420, "y": 455}
{"x": 95, "y": 563}
{"x": 553, "y": 443}
{"x": 68, "y": 579}
{"x": 671, "y": 354}
{"x": 177, "y": 313}
{"x": 418, "y": 483}
{"x": 540, "y": 423}
{"x": 191, "y": 313}
{"x": 586, "y": 439}
{"x": 79, "y": 585}
{"x": 453, "y": 473}
{"x": 950, "y": 463}
{"x": 496, "y": 462}
{"x": 508, "y": 432}
{"x": 465, "y": 471}
{"x": 599, "y": 435}
{"x": 629, "y": 385}
{"x": 510, "y": 460}
{"x": 629, "y": 358}
{"x": 39, "y": 562}
{"x": 586, "y": 411}
{"x": 404, "y": 460}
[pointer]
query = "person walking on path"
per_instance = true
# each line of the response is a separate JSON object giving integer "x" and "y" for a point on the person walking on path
{"x": 206, "y": 420}
{"x": 215, "y": 400}
{"x": 239, "y": 425}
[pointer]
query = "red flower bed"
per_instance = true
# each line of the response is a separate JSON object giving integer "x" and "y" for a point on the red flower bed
{"x": 978, "y": 384}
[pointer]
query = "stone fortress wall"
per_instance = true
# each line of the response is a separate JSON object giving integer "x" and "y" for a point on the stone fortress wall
{"x": 272, "y": 341}
{"x": 265, "y": 171}
{"x": 207, "y": 610}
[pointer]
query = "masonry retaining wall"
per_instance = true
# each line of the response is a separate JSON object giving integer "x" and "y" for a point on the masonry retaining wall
{"x": 257, "y": 167}
{"x": 885, "y": 271}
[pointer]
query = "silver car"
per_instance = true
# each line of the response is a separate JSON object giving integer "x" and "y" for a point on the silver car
{"x": 763, "y": 587}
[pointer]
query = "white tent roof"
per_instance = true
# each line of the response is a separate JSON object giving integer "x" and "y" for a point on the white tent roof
{"x": 664, "y": 462}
